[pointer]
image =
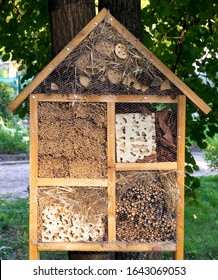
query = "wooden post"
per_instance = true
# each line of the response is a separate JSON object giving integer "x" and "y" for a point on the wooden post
{"x": 33, "y": 252}
{"x": 180, "y": 175}
{"x": 111, "y": 171}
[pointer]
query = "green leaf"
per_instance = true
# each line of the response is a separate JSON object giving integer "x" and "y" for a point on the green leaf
{"x": 6, "y": 57}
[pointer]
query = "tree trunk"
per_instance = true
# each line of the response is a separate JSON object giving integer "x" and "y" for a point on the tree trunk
{"x": 128, "y": 12}
{"x": 67, "y": 19}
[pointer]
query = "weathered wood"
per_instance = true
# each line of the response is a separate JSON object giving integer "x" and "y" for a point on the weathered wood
{"x": 181, "y": 176}
{"x": 110, "y": 246}
{"x": 106, "y": 98}
{"x": 33, "y": 229}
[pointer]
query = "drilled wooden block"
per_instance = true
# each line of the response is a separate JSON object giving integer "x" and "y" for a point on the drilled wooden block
{"x": 60, "y": 224}
{"x": 135, "y": 136}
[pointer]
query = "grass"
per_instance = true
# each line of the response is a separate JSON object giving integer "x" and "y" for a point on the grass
{"x": 13, "y": 228}
{"x": 201, "y": 222}
{"x": 201, "y": 226}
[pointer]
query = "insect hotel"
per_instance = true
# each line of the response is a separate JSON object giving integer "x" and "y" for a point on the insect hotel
{"x": 107, "y": 146}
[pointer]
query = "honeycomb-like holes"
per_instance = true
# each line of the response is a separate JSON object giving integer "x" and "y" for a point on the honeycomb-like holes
{"x": 146, "y": 132}
{"x": 72, "y": 214}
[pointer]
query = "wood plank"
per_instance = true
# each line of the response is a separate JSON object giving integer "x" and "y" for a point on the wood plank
{"x": 71, "y": 182}
{"x": 160, "y": 66}
{"x": 180, "y": 176}
{"x": 57, "y": 60}
{"x": 146, "y": 166}
{"x": 33, "y": 252}
{"x": 111, "y": 171}
{"x": 110, "y": 246}
{"x": 106, "y": 98}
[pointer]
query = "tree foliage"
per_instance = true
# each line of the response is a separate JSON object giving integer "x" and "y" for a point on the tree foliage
{"x": 182, "y": 33}
{"x": 6, "y": 96}
{"x": 24, "y": 29}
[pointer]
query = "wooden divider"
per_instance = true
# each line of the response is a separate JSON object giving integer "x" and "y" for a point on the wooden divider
{"x": 111, "y": 171}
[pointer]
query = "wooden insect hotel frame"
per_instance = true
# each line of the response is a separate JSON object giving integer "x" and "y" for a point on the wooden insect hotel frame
{"x": 107, "y": 151}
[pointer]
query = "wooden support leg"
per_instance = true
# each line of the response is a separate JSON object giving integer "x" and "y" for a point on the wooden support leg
{"x": 180, "y": 175}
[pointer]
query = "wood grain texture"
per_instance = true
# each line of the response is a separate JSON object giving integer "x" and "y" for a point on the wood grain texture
{"x": 181, "y": 176}
{"x": 110, "y": 246}
{"x": 33, "y": 228}
{"x": 111, "y": 171}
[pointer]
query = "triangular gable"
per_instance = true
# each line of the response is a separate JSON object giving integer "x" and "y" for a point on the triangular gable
{"x": 160, "y": 72}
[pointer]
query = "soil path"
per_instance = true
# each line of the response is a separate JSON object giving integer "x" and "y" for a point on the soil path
{"x": 14, "y": 176}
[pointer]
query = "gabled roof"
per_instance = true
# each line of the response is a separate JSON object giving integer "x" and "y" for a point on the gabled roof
{"x": 92, "y": 25}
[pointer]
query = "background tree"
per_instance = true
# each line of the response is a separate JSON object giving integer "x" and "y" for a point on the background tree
{"x": 67, "y": 18}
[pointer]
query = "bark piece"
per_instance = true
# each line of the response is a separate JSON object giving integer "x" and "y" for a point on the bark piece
{"x": 165, "y": 85}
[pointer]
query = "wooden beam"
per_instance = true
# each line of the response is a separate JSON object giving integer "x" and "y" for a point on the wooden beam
{"x": 109, "y": 246}
{"x": 111, "y": 171}
{"x": 181, "y": 176}
{"x": 146, "y": 166}
{"x": 33, "y": 227}
{"x": 106, "y": 98}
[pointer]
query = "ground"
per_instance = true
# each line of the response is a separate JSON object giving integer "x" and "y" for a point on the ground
{"x": 14, "y": 173}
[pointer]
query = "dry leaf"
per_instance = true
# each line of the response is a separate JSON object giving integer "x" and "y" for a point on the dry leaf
{"x": 165, "y": 85}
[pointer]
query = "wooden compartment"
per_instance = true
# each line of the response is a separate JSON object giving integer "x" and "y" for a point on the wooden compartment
{"x": 146, "y": 206}
{"x": 71, "y": 136}
{"x": 72, "y": 214}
